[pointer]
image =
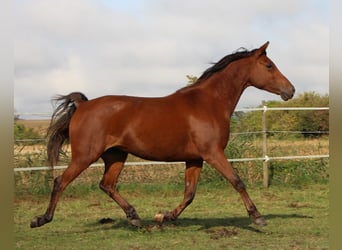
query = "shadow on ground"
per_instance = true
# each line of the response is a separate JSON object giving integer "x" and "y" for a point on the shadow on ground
{"x": 203, "y": 223}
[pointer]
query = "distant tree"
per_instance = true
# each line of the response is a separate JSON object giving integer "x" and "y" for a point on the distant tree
{"x": 191, "y": 79}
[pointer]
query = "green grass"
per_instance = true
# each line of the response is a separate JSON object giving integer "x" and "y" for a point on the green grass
{"x": 297, "y": 219}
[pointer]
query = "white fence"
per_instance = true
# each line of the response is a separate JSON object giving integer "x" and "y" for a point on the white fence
{"x": 265, "y": 158}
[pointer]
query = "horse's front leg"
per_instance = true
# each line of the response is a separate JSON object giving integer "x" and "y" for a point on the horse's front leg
{"x": 192, "y": 172}
{"x": 220, "y": 163}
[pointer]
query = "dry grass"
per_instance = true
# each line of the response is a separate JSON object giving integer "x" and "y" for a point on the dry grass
{"x": 315, "y": 146}
{"x": 38, "y": 125}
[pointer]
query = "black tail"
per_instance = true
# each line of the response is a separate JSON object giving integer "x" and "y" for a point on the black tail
{"x": 58, "y": 130}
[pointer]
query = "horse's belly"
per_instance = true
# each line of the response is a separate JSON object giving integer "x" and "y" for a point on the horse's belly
{"x": 161, "y": 148}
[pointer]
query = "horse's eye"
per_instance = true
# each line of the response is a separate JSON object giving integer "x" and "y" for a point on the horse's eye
{"x": 269, "y": 66}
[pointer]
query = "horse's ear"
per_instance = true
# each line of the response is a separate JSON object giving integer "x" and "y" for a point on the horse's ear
{"x": 262, "y": 49}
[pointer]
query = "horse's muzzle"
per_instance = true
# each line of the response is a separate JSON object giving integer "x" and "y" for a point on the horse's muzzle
{"x": 288, "y": 94}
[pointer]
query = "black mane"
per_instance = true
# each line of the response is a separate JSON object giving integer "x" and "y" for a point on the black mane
{"x": 239, "y": 54}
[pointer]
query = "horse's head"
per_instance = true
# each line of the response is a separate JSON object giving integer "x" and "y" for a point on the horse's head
{"x": 265, "y": 75}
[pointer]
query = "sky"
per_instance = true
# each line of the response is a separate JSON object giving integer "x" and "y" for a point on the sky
{"x": 146, "y": 48}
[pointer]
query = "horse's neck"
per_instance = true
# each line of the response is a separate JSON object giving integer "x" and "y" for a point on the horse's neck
{"x": 226, "y": 87}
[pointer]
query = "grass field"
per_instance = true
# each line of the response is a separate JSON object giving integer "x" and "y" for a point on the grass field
{"x": 297, "y": 219}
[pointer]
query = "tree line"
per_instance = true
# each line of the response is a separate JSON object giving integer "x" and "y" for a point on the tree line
{"x": 301, "y": 123}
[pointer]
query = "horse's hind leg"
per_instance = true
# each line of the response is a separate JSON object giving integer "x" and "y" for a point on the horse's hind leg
{"x": 192, "y": 172}
{"x": 114, "y": 160}
{"x": 60, "y": 183}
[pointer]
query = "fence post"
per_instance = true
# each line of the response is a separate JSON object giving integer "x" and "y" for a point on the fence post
{"x": 264, "y": 147}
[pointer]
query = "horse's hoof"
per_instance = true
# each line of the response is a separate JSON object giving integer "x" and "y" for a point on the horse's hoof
{"x": 260, "y": 221}
{"x": 34, "y": 223}
{"x": 38, "y": 221}
{"x": 159, "y": 217}
{"x": 135, "y": 222}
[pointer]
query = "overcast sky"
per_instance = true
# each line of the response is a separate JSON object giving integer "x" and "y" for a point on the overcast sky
{"x": 146, "y": 48}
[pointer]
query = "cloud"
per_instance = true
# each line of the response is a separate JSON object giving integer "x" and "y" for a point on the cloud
{"x": 147, "y": 47}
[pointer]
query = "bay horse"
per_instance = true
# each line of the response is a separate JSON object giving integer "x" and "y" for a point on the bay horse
{"x": 190, "y": 125}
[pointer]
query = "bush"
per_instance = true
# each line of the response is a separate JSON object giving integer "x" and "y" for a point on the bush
{"x": 23, "y": 133}
{"x": 301, "y": 172}
{"x": 306, "y": 122}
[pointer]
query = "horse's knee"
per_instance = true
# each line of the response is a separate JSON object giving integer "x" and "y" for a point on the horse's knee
{"x": 240, "y": 186}
{"x": 105, "y": 188}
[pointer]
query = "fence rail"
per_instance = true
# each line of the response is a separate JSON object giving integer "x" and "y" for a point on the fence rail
{"x": 148, "y": 163}
{"x": 264, "y": 132}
